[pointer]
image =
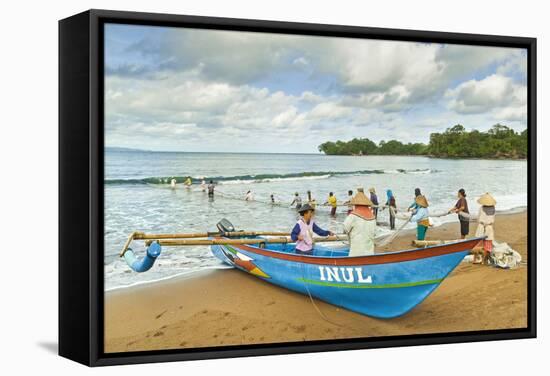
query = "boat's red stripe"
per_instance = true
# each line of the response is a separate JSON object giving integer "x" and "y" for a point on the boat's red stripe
{"x": 416, "y": 254}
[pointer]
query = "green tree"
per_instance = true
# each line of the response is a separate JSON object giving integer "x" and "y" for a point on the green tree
{"x": 500, "y": 141}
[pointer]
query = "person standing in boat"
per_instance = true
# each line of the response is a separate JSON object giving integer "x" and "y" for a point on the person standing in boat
{"x": 421, "y": 216}
{"x": 486, "y": 220}
{"x": 303, "y": 231}
{"x": 461, "y": 206}
{"x": 211, "y": 188}
{"x": 360, "y": 226}
{"x": 332, "y": 202}
{"x": 374, "y": 200}
{"x": 348, "y": 202}
{"x": 249, "y": 196}
{"x": 392, "y": 207}
{"x": 297, "y": 201}
{"x": 414, "y": 205}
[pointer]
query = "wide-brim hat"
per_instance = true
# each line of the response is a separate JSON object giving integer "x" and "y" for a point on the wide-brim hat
{"x": 487, "y": 200}
{"x": 422, "y": 201}
{"x": 371, "y": 190}
{"x": 360, "y": 189}
{"x": 361, "y": 199}
{"x": 305, "y": 208}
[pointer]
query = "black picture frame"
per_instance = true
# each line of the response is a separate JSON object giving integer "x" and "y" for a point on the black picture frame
{"x": 81, "y": 185}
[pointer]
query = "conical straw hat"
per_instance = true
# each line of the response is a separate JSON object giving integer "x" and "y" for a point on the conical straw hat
{"x": 487, "y": 200}
{"x": 361, "y": 199}
{"x": 422, "y": 201}
{"x": 305, "y": 208}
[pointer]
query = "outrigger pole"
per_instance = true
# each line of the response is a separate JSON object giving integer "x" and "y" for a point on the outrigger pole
{"x": 143, "y": 236}
{"x": 155, "y": 241}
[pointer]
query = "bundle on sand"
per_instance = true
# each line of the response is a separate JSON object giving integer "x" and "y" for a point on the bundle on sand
{"x": 502, "y": 256}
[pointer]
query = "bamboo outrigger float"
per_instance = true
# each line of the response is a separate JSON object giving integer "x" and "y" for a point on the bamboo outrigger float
{"x": 382, "y": 285}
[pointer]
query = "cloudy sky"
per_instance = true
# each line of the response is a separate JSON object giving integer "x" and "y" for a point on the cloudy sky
{"x": 180, "y": 89}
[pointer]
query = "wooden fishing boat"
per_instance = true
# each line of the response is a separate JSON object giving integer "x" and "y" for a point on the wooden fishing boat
{"x": 383, "y": 285}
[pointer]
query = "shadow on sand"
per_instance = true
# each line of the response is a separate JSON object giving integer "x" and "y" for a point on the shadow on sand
{"x": 50, "y": 347}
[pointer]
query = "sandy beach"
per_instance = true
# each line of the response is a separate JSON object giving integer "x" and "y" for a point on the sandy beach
{"x": 229, "y": 307}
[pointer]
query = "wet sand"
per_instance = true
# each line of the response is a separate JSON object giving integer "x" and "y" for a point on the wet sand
{"x": 229, "y": 307}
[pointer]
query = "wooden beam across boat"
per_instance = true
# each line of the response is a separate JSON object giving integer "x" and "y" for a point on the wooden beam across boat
{"x": 143, "y": 236}
{"x": 428, "y": 243}
{"x": 226, "y": 241}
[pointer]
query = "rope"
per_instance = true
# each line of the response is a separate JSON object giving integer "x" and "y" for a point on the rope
{"x": 392, "y": 236}
{"x": 319, "y": 312}
{"x": 472, "y": 218}
{"x": 238, "y": 198}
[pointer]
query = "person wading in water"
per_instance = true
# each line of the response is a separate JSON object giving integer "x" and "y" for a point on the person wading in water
{"x": 297, "y": 201}
{"x": 348, "y": 202}
{"x": 332, "y": 202}
{"x": 211, "y": 187}
{"x": 392, "y": 207}
{"x": 374, "y": 200}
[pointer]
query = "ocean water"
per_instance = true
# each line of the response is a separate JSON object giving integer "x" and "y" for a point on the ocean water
{"x": 138, "y": 196}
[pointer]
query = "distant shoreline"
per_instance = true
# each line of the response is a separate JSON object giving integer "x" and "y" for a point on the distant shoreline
{"x": 130, "y": 150}
{"x": 427, "y": 156}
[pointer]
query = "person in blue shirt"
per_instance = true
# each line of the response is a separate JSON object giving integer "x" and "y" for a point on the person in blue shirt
{"x": 302, "y": 233}
{"x": 421, "y": 217}
{"x": 392, "y": 206}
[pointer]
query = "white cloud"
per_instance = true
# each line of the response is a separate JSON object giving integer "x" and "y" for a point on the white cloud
{"x": 495, "y": 92}
{"x": 203, "y": 86}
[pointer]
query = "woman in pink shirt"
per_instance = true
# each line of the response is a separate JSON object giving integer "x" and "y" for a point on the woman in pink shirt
{"x": 303, "y": 231}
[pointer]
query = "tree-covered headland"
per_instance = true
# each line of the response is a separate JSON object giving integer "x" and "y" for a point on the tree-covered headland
{"x": 456, "y": 142}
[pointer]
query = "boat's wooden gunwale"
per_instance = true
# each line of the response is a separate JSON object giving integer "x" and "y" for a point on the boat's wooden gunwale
{"x": 386, "y": 258}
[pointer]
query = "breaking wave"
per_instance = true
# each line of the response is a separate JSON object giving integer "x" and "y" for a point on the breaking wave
{"x": 264, "y": 178}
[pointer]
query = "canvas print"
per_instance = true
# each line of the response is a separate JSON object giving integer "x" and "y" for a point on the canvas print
{"x": 275, "y": 188}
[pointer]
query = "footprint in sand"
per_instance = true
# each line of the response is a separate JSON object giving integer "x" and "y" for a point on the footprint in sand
{"x": 158, "y": 334}
{"x": 160, "y": 315}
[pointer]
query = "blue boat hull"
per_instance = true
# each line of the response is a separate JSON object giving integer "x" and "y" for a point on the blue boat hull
{"x": 382, "y": 286}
